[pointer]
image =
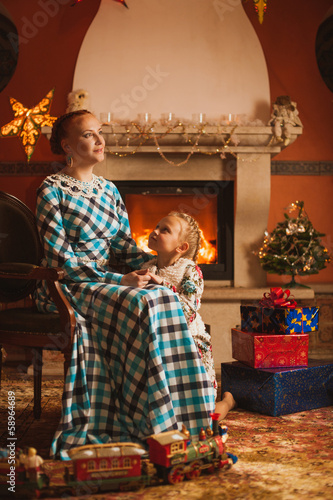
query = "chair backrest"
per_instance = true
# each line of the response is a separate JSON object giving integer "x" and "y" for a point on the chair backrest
{"x": 19, "y": 243}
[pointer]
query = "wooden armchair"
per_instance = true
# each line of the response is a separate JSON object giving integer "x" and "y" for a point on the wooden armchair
{"x": 20, "y": 257}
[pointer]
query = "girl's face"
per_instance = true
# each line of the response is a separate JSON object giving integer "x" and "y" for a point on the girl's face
{"x": 84, "y": 141}
{"x": 166, "y": 237}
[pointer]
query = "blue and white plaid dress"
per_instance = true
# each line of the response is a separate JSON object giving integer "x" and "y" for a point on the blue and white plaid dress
{"x": 135, "y": 369}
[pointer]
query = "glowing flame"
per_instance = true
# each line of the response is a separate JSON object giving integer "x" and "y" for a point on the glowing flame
{"x": 142, "y": 239}
{"x": 207, "y": 252}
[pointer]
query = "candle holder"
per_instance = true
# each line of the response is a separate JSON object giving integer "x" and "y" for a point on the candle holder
{"x": 106, "y": 118}
{"x": 199, "y": 118}
{"x": 168, "y": 119}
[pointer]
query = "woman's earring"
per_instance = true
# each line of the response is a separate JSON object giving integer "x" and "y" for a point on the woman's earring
{"x": 69, "y": 161}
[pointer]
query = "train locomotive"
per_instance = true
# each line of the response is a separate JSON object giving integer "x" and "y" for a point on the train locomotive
{"x": 175, "y": 456}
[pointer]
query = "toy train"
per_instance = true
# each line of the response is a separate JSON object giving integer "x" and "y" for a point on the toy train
{"x": 172, "y": 456}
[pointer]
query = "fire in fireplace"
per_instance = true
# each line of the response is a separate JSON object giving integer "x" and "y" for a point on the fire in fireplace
{"x": 209, "y": 202}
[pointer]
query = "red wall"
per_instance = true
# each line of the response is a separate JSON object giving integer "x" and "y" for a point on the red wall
{"x": 47, "y": 59}
{"x": 288, "y": 36}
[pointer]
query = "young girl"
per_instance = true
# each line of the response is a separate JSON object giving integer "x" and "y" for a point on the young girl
{"x": 177, "y": 240}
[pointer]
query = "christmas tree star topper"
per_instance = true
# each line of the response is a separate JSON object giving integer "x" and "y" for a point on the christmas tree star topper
{"x": 27, "y": 122}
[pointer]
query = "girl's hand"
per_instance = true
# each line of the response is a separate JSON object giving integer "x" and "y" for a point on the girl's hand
{"x": 137, "y": 279}
{"x": 158, "y": 280}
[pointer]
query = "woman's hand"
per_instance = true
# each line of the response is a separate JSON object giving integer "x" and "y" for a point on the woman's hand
{"x": 137, "y": 279}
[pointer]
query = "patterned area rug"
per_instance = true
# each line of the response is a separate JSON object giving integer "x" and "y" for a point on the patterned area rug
{"x": 279, "y": 458}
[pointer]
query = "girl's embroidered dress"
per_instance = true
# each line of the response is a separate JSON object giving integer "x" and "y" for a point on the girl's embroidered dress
{"x": 184, "y": 278}
{"x": 135, "y": 369}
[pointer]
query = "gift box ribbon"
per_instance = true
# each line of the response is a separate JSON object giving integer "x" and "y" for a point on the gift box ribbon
{"x": 278, "y": 298}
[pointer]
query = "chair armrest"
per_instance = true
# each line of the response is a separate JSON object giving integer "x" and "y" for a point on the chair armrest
{"x": 20, "y": 270}
{"x": 52, "y": 275}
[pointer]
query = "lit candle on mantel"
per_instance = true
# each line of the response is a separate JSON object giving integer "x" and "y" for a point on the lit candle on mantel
{"x": 232, "y": 119}
{"x": 198, "y": 117}
{"x": 167, "y": 119}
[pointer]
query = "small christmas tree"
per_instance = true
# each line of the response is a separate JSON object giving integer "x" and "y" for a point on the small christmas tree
{"x": 294, "y": 246}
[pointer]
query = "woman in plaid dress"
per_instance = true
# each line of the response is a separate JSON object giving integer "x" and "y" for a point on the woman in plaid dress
{"x": 135, "y": 369}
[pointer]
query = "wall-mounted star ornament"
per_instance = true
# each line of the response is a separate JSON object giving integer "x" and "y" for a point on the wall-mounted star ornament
{"x": 260, "y": 7}
{"x": 27, "y": 122}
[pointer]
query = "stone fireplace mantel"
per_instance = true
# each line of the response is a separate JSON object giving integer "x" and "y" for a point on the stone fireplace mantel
{"x": 213, "y": 138}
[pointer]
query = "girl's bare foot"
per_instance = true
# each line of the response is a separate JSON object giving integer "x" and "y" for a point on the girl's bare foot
{"x": 224, "y": 406}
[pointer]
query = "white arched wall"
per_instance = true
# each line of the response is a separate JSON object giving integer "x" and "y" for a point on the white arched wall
{"x": 173, "y": 56}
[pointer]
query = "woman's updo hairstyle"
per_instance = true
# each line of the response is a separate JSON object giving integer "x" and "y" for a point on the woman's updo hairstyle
{"x": 191, "y": 233}
{"x": 60, "y": 129}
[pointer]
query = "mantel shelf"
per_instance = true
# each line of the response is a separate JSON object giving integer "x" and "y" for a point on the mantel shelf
{"x": 183, "y": 148}
{"x": 234, "y": 139}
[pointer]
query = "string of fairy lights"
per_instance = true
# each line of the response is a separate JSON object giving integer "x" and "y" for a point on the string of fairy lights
{"x": 135, "y": 135}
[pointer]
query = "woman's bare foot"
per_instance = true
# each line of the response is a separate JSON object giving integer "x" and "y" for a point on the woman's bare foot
{"x": 224, "y": 406}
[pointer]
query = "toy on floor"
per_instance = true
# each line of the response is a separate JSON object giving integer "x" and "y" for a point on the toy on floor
{"x": 171, "y": 458}
{"x": 20, "y": 472}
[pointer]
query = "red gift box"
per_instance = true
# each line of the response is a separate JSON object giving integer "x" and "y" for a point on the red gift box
{"x": 261, "y": 350}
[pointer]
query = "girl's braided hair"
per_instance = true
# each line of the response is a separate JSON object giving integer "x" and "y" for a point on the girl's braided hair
{"x": 191, "y": 233}
{"x": 60, "y": 130}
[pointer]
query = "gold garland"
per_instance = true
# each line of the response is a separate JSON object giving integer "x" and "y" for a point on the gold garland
{"x": 180, "y": 164}
{"x": 143, "y": 134}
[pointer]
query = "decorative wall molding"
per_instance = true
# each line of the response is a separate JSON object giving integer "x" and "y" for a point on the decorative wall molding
{"x": 17, "y": 169}
{"x": 302, "y": 167}
{"x": 8, "y": 169}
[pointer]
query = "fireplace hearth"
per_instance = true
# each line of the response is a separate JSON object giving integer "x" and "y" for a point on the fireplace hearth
{"x": 211, "y": 203}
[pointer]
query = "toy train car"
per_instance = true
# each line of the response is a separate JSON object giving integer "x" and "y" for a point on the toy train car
{"x": 110, "y": 466}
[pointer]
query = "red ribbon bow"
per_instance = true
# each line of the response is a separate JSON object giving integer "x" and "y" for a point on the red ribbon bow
{"x": 278, "y": 298}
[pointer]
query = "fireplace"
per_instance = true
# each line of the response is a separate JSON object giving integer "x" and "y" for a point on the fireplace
{"x": 209, "y": 202}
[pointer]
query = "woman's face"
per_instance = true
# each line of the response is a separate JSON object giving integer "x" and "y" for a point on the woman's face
{"x": 84, "y": 141}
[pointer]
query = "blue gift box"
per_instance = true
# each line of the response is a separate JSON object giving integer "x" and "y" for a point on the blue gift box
{"x": 279, "y": 391}
{"x": 279, "y": 320}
